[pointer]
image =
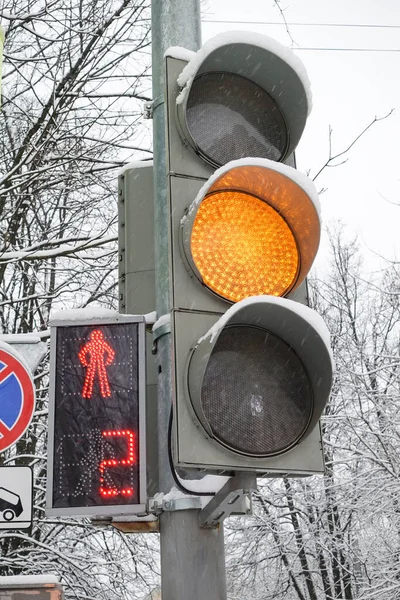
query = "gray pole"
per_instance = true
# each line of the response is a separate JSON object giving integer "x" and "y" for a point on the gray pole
{"x": 192, "y": 559}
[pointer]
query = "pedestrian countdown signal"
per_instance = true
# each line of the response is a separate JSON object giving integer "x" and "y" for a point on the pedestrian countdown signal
{"x": 96, "y": 446}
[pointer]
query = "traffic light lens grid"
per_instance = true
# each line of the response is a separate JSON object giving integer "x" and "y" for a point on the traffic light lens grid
{"x": 230, "y": 117}
{"x": 255, "y": 394}
{"x": 242, "y": 247}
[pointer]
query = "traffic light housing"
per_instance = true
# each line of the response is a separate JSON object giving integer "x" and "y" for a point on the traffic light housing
{"x": 244, "y": 231}
{"x": 137, "y": 294}
{"x": 97, "y": 445}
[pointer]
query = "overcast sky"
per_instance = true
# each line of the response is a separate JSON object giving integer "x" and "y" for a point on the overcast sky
{"x": 354, "y": 73}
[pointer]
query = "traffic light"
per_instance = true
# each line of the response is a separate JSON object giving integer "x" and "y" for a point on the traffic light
{"x": 96, "y": 451}
{"x": 252, "y": 364}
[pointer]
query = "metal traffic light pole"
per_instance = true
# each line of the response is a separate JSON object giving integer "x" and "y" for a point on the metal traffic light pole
{"x": 192, "y": 558}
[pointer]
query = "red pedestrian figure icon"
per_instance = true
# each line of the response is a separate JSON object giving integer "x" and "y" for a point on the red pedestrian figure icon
{"x": 96, "y": 355}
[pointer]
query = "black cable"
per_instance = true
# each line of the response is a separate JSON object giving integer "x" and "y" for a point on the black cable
{"x": 171, "y": 465}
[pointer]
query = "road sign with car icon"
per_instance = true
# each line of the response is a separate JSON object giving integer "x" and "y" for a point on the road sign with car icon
{"x": 15, "y": 497}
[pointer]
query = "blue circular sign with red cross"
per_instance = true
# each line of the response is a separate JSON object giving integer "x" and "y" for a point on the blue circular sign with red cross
{"x": 17, "y": 398}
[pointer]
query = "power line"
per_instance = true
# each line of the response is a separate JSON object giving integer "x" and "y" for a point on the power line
{"x": 318, "y": 49}
{"x": 370, "y": 26}
{"x": 348, "y": 49}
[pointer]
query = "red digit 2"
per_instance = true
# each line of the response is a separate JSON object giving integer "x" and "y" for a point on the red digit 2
{"x": 109, "y": 492}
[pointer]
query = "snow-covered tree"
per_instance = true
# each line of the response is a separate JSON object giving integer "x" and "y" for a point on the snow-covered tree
{"x": 337, "y": 536}
{"x": 74, "y": 80}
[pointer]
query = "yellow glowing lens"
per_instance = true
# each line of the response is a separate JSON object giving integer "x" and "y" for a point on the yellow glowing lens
{"x": 242, "y": 247}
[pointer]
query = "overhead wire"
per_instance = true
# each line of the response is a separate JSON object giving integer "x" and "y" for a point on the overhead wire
{"x": 315, "y": 49}
{"x": 366, "y": 25}
{"x": 319, "y": 49}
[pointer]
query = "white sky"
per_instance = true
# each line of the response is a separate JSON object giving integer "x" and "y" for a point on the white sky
{"x": 350, "y": 88}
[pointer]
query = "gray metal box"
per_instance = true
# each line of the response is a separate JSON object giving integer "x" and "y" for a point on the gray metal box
{"x": 136, "y": 239}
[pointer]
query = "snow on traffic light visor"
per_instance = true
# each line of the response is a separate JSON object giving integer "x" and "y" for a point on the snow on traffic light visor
{"x": 243, "y": 96}
{"x": 253, "y": 230}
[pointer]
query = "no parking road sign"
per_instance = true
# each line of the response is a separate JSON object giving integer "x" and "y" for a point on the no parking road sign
{"x": 17, "y": 396}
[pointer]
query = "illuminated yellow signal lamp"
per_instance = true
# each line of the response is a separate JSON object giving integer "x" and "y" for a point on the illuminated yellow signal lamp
{"x": 253, "y": 230}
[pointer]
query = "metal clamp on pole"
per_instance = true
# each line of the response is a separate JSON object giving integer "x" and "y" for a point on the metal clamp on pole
{"x": 151, "y": 105}
{"x": 160, "y": 504}
{"x": 161, "y": 327}
{"x": 225, "y": 502}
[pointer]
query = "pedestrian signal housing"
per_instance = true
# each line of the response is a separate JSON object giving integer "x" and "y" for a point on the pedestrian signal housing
{"x": 96, "y": 456}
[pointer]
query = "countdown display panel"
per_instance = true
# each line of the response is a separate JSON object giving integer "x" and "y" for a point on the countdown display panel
{"x": 96, "y": 464}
